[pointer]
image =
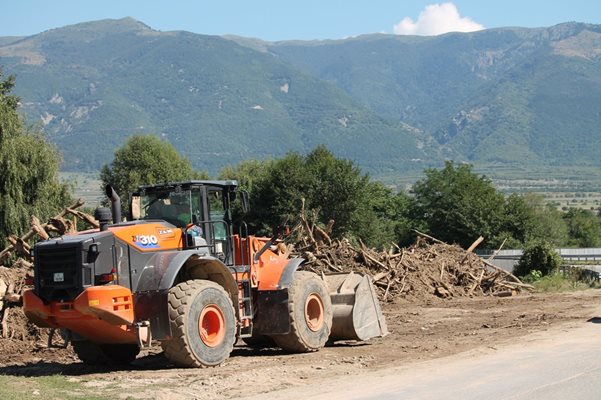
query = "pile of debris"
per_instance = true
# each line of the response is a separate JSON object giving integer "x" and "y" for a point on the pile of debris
{"x": 429, "y": 268}
{"x": 13, "y": 323}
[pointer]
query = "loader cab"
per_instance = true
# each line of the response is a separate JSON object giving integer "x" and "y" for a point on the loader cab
{"x": 201, "y": 209}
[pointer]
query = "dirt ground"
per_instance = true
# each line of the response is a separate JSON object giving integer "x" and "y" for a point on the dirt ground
{"x": 418, "y": 332}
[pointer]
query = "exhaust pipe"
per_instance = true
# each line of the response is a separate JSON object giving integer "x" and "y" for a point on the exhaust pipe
{"x": 115, "y": 203}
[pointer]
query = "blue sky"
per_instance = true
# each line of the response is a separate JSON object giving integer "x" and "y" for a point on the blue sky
{"x": 306, "y": 19}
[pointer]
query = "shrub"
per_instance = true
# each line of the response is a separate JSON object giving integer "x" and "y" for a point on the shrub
{"x": 538, "y": 255}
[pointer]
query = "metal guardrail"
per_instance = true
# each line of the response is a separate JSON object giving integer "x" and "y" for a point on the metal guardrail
{"x": 507, "y": 259}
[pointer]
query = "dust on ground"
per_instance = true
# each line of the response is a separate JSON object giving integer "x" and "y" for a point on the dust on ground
{"x": 428, "y": 330}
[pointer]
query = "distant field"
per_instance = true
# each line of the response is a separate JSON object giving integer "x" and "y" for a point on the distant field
{"x": 543, "y": 179}
{"x": 583, "y": 200}
{"x": 85, "y": 185}
{"x": 564, "y": 187}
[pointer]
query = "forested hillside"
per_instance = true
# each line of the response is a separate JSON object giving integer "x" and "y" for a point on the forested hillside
{"x": 498, "y": 98}
{"x": 509, "y": 95}
{"x": 94, "y": 84}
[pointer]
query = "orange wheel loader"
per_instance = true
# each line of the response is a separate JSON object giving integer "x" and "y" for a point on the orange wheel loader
{"x": 180, "y": 273}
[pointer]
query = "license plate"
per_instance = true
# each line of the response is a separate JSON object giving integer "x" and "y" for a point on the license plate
{"x": 59, "y": 277}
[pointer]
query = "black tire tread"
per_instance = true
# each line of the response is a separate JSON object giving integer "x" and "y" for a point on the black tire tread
{"x": 293, "y": 341}
{"x": 177, "y": 349}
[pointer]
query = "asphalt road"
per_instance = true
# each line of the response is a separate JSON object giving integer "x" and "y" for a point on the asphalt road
{"x": 557, "y": 364}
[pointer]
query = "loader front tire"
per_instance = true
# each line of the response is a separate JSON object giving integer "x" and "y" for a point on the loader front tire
{"x": 203, "y": 324}
{"x": 310, "y": 311}
{"x": 91, "y": 353}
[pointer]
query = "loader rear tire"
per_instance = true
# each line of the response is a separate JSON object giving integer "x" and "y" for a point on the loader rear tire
{"x": 310, "y": 311}
{"x": 91, "y": 353}
{"x": 203, "y": 324}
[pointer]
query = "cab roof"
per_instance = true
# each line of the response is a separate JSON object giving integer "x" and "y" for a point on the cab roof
{"x": 229, "y": 185}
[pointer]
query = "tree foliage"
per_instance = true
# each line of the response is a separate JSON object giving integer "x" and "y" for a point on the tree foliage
{"x": 457, "y": 206}
{"x": 384, "y": 217}
{"x": 453, "y": 203}
{"x": 548, "y": 222}
{"x": 584, "y": 228}
{"x": 332, "y": 188}
{"x": 538, "y": 255}
{"x": 28, "y": 169}
{"x": 145, "y": 160}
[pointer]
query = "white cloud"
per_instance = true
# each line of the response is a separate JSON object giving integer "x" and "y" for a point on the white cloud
{"x": 437, "y": 19}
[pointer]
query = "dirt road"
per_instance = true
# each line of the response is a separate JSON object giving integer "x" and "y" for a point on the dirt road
{"x": 560, "y": 363}
{"x": 418, "y": 332}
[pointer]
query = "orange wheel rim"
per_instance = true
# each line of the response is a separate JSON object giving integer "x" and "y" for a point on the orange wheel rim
{"x": 211, "y": 325}
{"x": 314, "y": 312}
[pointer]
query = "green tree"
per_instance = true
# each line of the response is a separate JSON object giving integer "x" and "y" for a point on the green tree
{"x": 548, "y": 221}
{"x": 518, "y": 223}
{"x": 247, "y": 173}
{"x": 145, "y": 160}
{"x": 384, "y": 218}
{"x": 337, "y": 189}
{"x": 457, "y": 206}
{"x": 276, "y": 194}
{"x": 332, "y": 188}
{"x": 28, "y": 169}
{"x": 584, "y": 228}
{"x": 538, "y": 255}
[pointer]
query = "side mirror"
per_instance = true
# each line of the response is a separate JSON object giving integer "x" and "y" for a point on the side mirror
{"x": 135, "y": 206}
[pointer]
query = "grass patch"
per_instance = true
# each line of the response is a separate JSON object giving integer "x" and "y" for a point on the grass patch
{"x": 559, "y": 282}
{"x": 53, "y": 387}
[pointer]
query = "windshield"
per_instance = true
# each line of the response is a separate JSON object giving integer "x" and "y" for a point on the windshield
{"x": 177, "y": 208}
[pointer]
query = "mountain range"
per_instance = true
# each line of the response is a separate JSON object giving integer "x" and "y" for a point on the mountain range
{"x": 501, "y": 98}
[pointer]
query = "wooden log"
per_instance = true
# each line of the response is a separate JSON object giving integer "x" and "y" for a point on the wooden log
{"x": 505, "y": 293}
{"x": 497, "y": 251}
{"x": 396, "y": 267}
{"x": 3, "y": 290}
{"x": 513, "y": 285}
{"x": 515, "y": 278}
{"x": 4, "y": 322}
{"x": 306, "y": 227}
{"x": 475, "y": 244}
{"x": 428, "y": 237}
{"x": 403, "y": 283}
{"x": 365, "y": 254}
{"x": 5, "y": 253}
{"x": 477, "y": 283}
{"x": 12, "y": 297}
{"x": 380, "y": 275}
{"x": 387, "y": 289}
{"x": 20, "y": 246}
{"x": 36, "y": 226}
{"x": 472, "y": 247}
{"x": 321, "y": 235}
{"x": 85, "y": 217}
{"x": 63, "y": 226}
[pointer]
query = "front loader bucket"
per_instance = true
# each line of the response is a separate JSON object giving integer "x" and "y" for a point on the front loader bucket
{"x": 356, "y": 311}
